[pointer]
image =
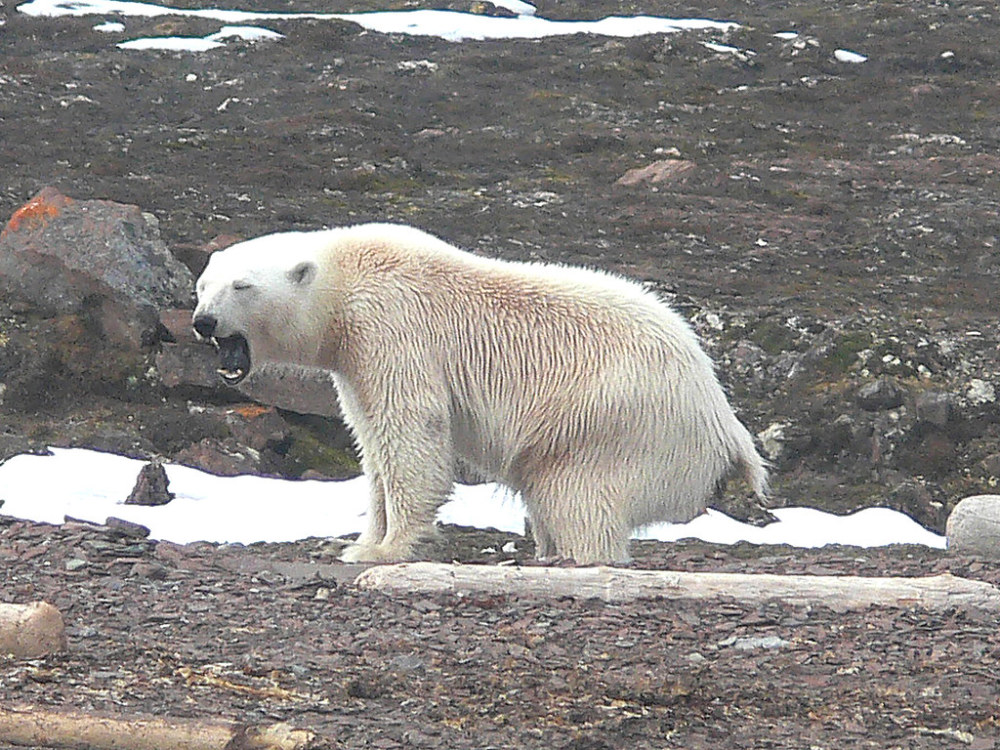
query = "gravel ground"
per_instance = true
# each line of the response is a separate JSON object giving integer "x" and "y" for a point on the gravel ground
{"x": 277, "y": 632}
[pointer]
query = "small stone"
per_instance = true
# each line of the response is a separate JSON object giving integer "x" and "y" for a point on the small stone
{"x": 665, "y": 170}
{"x": 933, "y": 407}
{"x": 762, "y": 641}
{"x": 981, "y": 392}
{"x": 407, "y": 663}
{"x": 152, "y": 571}
{"x": 991, "y": 464}
{"x": 772, "y": 439}
{"x": 151, "y": 488}
{"x": 881, "y": 395}
{"x": 74, "y": 563}
{"x": 974, "y": 526}
{"x": 119, "y": 528}
{"x": 322, "y": 594}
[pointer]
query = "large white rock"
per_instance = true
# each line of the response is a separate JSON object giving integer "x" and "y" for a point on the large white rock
{"x": 974, "y": 526}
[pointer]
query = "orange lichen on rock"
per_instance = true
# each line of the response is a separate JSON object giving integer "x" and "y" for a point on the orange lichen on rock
{"x": 251, "y": 411}
{"x": 38, "y": 211}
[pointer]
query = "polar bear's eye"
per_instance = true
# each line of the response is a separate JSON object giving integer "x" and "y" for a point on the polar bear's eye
{"x": 241, "y": 284}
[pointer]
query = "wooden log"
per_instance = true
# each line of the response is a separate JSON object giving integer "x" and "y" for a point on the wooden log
{"x": 42, "y": 727}
{"x": 620, "y": 585}
{"x": 28, "y": 631}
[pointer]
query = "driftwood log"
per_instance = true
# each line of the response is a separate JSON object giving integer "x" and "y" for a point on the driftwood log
{"x": 41, "y": 727}
{"x": 28, "y": 631}
{"x": 620, "y": 585}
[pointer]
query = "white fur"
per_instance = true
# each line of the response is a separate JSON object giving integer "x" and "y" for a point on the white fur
{"x": 576, "y": 388}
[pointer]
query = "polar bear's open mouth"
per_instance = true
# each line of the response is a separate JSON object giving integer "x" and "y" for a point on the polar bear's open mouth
{"x": 234, "y": 358}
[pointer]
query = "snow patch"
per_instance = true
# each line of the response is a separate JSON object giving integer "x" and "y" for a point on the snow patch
{"x": 451, "y": 25}
{"x": 92, "y": 486}
{"x": 847, "y": 56}
{"x": 201, "y": 44}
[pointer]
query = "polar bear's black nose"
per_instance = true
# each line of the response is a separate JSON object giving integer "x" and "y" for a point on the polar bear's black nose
{"x": 204, "y": 325}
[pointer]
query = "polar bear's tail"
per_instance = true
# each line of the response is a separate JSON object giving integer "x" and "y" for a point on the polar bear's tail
{"x": 754, "y": 467}
{"x": 755, "y": 471}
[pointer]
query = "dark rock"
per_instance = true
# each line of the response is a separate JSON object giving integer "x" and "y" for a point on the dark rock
{"x": 189, "y": 365}
{"x": 224, "y": 458}
{"x": 177, "y": 324}
{"x": 881, "y": 395}
{"x": 933, "y": 407}
{"x": 151, "y": 488}
{"x": 299, "y": 390}
{"x": 259, "y": 427}
{"x": 914, "y": 498}
{"x": 934, "y": 456}
{"x": 176, "y": 426}
{"x": 486, "y": 8}
{"x": 839, "y": 435}
{"x": 151, "y": 570}
{"x": 15, "y": 445}
{"x": 991, "y": 465}
{"x": 195, "y": 256}
{"x": 110, "y": 439}
{"x": 101, "y": 260}
{"x": 119, "y": 528}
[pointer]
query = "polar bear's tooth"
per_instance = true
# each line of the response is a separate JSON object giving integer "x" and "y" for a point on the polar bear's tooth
{"x": 215, "y": 342}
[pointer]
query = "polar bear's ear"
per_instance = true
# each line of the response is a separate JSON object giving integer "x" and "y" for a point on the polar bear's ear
{"x": 303, "y": 273}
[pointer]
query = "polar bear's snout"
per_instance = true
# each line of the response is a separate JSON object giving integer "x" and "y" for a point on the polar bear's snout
{"x": 204, "y": 326}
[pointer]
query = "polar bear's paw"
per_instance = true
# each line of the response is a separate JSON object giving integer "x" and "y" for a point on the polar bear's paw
{"x": 373, "y": 553}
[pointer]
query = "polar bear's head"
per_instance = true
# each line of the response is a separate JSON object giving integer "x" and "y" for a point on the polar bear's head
{"x": 251, "y": 300}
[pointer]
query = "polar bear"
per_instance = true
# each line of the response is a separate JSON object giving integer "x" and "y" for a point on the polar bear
{"x": 576, "y": 388}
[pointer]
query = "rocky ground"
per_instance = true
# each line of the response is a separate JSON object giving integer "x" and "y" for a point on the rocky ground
{"x": 830, "y": 228}
{"x": 276, "y": 633}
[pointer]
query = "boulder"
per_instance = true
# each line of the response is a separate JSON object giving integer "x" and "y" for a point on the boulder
{"x": 974, "y": 526}
{"x": 100, "y": 260}
{"x": 30, "y": 631}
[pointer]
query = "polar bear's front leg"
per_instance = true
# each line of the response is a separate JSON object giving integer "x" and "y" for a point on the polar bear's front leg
{"x": 412, "y": 473}
{"x": 375, "y": 531}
